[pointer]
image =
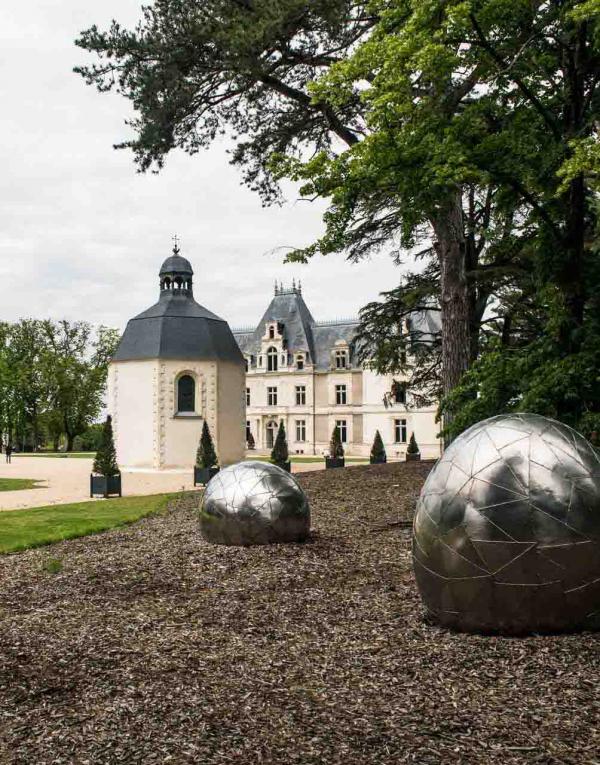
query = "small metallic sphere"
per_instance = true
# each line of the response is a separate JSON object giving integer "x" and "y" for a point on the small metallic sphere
{"x": 507, "y": 529}
{"x": 254, "y": 503}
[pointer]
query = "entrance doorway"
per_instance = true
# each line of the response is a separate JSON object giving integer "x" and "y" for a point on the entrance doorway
{"x": 271, "y": 434}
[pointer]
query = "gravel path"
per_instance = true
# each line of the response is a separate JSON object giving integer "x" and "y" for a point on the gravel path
{"x": 150, "y": 645}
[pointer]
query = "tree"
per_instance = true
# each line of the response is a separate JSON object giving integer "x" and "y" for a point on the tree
{"x": 280, "y": 453}
{"x": 105, "y": 462}
{"x": 413, "y": 447}
{"x": 76, "y": 364}
{"x": 251, "y": 442}
{"x": 378, "y": 449}
{"x": 336, "y": 448}
{"x": 206, "y": 456}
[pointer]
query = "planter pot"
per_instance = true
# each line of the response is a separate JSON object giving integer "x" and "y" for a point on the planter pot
{"x": 334, "y": 462}
{"x": 378, "y": 460}
{"x": 413, "y": 457}
{"x": 106, "y": 486}
{"x": 287, "y": 466}
{"x": 203, "y": 475}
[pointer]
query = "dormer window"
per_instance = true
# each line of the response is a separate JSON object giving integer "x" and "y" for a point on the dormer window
{"x": 299, "y": 361}
{"x": 272, "y": 360}
{"x": 271, "y": 332}
{"x": 341, "y": 359}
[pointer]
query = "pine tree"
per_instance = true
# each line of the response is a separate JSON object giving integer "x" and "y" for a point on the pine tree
{"x": 280, "y": 454}
{"x": 413, "y": 447}
{"x": 206, "y": 456}
{"x": 336, "y": 448}
{"x": 105, "y": 463}
{"x": 251, "y": 442}
{"x": 378, "y": 450}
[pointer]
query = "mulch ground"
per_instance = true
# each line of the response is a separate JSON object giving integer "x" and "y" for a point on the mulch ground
{"x": 149, "y": 645}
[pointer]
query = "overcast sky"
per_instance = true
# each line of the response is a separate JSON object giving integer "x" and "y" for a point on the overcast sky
{"x": 82, "y": 235}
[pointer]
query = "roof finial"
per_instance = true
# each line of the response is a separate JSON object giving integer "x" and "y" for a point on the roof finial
{"x": 276, "y": 288}
{"x": 175, "y": 245}
{"x": 294, "y": 285}
{"x": 281, "y": 287}
{"x": 300, "y": 286}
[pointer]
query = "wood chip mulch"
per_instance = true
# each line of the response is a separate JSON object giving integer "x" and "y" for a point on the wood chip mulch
{"x": 148, "y": 645}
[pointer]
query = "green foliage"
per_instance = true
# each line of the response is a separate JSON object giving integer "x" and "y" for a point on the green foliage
{"x": 206, "y": 456}
{"x": 336, "y": 448}
{"x": 18, "y": 484}
{"x": 52, "y": 379}
{"x": 378, "y": 449}
{"x": 280, "y": 453}
{"x": 105, "y": 462}
{"x": 413, "y": 447}
{"x": 251, "y": 443}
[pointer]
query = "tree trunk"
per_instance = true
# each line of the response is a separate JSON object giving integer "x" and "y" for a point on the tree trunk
{"x": 454, "y": 294}
{"x": 70, "y": 439}
{"x": 56, "y": 443}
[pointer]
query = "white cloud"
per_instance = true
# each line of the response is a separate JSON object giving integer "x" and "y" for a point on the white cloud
{"x": 82, "y": 235}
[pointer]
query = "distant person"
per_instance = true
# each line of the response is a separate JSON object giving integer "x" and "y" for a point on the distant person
{"x": 9, "y": 451}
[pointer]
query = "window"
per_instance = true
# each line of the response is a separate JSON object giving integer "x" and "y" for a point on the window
{"x": 272, "y": 428}
{"x": 247, "y": 396}
{"x": 300, "y": 362}
{"x": 260, "y": 360}
{"x": 271, "y": 332}
{"x": 272, "y": 396}
{"x": 272, "y": 360}
{"x": 300, "y": 395}
{"x": 247, "y": 364}
{"x": 341, "y": 395}
{"x": 399, "y": 392}
{"x": 248, "y": 431}
{"x": 400, "y": 431}
{"x": 342, "y": 429}
{"x": 300, "y": 431}
{"x": 186, "y": 394}
{"x": 341, "y": 359}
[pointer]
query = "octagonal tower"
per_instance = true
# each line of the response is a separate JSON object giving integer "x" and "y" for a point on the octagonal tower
{"x": 176, "y": 365}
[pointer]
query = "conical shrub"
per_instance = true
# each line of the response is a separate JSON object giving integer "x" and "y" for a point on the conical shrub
{"x": 105, "y": 462}
{"x": 336, "y": 448}
{"x": 280, "y": 454}
{"x": 206, "y": 456}
{"x": 413, "y": 447}
{"x": 378, "y": 449}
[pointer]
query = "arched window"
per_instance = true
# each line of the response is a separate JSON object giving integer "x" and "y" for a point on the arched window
{"x": 186, "y": 394}
{"x": 272, "y": 360}
{"x": 271, "y": 434}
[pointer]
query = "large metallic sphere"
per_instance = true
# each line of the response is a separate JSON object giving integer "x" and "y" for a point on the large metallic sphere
{"x": 254, "y": 503}
{"x": 507, "y": 529}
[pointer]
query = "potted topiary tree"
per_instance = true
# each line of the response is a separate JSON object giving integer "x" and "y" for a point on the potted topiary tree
{"x": 206, "y": 458}
{"x": 106, "y": 476}
{"x": 251, "y": 443}
{"x": 280, "y": 454}
{"x": 336, "y": 451}
{"x": 378, "y": 455}
{"x": 412, "y": 452}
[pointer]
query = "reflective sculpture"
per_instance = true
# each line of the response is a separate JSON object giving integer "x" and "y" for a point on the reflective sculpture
{"x": 507, "y": 529}
{"x": 254, "y": 503}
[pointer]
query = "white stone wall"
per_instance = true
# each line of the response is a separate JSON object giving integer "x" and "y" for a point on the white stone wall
{"x": 364, "y": 400}
{"x": 149, "y": 431}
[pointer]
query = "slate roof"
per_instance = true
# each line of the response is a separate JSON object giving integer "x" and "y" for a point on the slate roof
{"x": 178, "y": 328}
{"x": 303, "y": 333}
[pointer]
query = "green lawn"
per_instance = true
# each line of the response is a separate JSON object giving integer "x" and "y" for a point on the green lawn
{"x": 21, "y": 529}
{"x": 17, "y": 484}
{"x": 59, "y": 455}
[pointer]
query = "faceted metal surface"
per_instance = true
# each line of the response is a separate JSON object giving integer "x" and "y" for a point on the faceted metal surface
{"x": 507, "y": 529}
{"x": 254, "y": 503}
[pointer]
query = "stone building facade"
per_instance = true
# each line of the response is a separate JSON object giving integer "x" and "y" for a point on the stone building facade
{"x": 305, "y": 373}
{"x": 177, "y": 365}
